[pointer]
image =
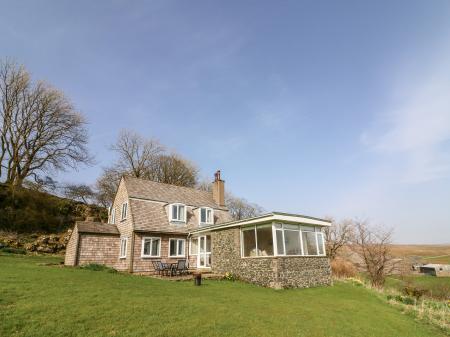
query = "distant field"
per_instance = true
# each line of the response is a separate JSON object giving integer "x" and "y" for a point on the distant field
{"x": 427, "y": 253}
{"x": 437, "y": 287}
{"x": 39, "y": 300}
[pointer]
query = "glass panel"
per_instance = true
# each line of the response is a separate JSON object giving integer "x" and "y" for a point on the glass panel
{"x": 309, "y": 243}
{"x": 292, "y": 242}
{"x": 174, "y": 212}
{"x": 209, "y": 216}
{"x": 202, "y": 244}
{"x": 208, "y": 260}
{"x": 173, "y": 247}
{"x": 293, "y": 227}
{"x": 208, "y": 244}
{"x": 203, "y": 215}
{"x": 307, "y": 229}
{"x": 202, "y": 260}
{"x": 155, "y": 247}
{"x": 147, "y": 244}
{"x": 194, "y": 246}
{"x": 280, "y": 249}
{"x": 265, "y": 241}
{"x": 180, "y": 247}
{"x": 320, "y": 243}
{"x": 278, "y": 225}
{"x": 249, "y": 241}
{"x": 181, "y": 213}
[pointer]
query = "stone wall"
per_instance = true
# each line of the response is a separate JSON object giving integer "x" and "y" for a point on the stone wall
{"x": 275, "y": 272}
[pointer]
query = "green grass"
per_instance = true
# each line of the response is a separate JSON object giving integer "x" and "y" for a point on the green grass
{"x": 41, "y": 300}
{"x": 438, "y": 287}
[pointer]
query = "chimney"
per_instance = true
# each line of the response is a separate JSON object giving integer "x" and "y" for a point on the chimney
{"x": 218, "y": 189}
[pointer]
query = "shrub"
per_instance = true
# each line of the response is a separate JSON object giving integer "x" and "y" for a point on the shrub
{"x": 342, "y": 268}
{"x": 12, "y": 250}
{"x": 229, "y": 276}
{"x": 415, "y": 292}
{"x": 98, "y": 267}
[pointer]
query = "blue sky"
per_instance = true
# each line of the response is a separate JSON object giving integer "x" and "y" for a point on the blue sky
{"x": 326, "y": 108}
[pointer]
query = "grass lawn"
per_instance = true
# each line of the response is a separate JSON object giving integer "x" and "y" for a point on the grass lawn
{"x": 438, "y": 287}
{"x": 38, "y": 300}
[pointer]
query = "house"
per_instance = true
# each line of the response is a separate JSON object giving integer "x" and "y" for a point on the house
{"x": 439, "y": 270}
{"x": 151, "y": 221}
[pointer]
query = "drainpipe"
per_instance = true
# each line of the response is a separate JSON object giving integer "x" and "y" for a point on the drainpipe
{"x": 130, "y": 268}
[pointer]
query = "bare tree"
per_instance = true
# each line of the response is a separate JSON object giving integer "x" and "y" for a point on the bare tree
{"x": 242, "y": 209}
{"x": 337, "y": 236}
{"x": 173, "y": 169}
{"x": 79, "y": 192}
{"x": 143, "y": 158}
{"x": 136, "y": 153}
{"x": 373, "y": 246}
{"x": 40, "y": 129}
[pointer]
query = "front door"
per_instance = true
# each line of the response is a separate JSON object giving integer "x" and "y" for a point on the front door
{"x": 204, "y": 251}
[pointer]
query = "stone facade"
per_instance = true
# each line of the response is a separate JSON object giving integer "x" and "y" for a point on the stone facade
{"x": 275, "y": 272}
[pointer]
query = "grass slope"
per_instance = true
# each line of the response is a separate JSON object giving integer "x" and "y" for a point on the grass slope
{"x": 37, "y": 300}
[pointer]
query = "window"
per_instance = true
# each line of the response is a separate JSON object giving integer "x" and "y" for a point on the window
{"x": 112, "y": 217}
{"x": 123, "y": 248}
{"x": 249, "y": 242}
{"x": 124, "y": 210}
{"x": 292, "y": 242}
{"x": 151, "y": 247}
{"x": 309, "y": 243}
{"x": 281, "y": 240}
{"x": 176, "y": 247}
{"x": 206, "y": 216}
{"x": 178, "y": 213}
{"x": 265, "y": 242}
{"x": 320, "y": 243}
{"x": 193, "y": 247}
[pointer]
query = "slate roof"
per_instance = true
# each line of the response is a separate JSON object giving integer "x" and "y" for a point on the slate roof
{"x": 96, "y": 227}
{"x": 151, "y": 190}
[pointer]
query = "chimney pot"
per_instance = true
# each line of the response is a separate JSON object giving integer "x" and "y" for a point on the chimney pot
{"x": 219, "y": 189}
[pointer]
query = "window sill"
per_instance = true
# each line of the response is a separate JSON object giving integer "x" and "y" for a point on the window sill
{"x": 279, "y": 256}
{"x": 177, "y": 257}
{"x": 122, "y": 257}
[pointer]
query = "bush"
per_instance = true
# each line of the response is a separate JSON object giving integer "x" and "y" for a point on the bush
{"x": 415, "y": 292}
{"x": 98, "y": 267}
{"x": 342, "y": 268}
{"x": 229, "y": 276}
{"x": 12, "y": 250}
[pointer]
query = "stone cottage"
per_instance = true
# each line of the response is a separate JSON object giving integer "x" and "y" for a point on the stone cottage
{"x": 151, "y": 221}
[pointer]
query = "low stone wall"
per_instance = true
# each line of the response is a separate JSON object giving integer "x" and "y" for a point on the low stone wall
{"x": 275, "y": 272}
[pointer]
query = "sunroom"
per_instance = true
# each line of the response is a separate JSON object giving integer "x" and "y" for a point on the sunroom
{"x": 282, "y": 239}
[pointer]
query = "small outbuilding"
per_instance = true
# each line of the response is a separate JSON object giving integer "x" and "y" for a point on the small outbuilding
{"x": 435, "y": 269}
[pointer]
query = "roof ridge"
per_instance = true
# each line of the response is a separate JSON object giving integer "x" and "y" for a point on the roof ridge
{"x": 167, "y": 184}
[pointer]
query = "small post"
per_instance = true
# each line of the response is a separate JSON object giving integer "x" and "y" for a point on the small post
{"x": 197, "y": 279}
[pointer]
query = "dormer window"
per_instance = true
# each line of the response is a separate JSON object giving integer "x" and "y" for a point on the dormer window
{"x": 206, "y": 216}
{"x": 178, "y": 213}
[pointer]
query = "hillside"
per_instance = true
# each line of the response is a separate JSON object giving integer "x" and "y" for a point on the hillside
{"x": 30, "y": 211}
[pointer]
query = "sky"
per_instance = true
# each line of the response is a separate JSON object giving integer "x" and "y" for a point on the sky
{"x": 323, "y": 108}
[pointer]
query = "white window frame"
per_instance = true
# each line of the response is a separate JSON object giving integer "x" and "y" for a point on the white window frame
{"x": 178, "y": 212}
{"x": 123, "y": 254}
{"x": 152, "y": 238}
{"x": 200, "y": 222}
{"x": 316, "y": 231}
{"x": 124, "y": 214}
{"x": 190, "y": 246}
{"x": 176, "y": 251}
{"x": 112, "y": 216}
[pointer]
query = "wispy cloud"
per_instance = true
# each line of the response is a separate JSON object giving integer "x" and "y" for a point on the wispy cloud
{"x": 414, "y": 133}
